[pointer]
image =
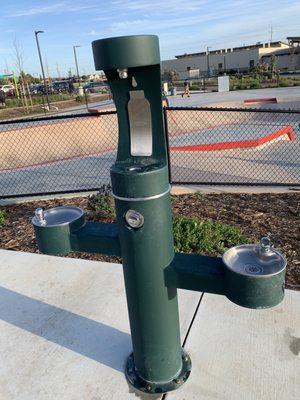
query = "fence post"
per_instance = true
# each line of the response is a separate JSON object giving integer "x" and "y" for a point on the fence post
{"x": 167, "y": 141}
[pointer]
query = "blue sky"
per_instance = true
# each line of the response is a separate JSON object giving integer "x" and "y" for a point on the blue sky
{"x": 182, "y": 26}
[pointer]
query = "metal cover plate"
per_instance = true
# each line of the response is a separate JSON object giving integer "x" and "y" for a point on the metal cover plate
{"x": 139, "y": 113}
{"x": 62, "y": 215}
{"x": 248, "y": 260}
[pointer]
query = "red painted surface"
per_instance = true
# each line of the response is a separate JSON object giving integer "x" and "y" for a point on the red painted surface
{"x": 265, "y": 100}
{"x": 286, "y": 130}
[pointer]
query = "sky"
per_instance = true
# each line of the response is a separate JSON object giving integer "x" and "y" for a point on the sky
{"x": 182, "y": 26}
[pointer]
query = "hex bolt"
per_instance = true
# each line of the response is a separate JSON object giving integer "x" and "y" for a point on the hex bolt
{"x": 177, "y": 381}
{"x": 148, "y": 388}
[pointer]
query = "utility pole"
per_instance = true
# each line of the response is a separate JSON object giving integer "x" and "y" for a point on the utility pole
{"x": 81, "y": 91}
{"x": 207, "y": 55}
{"x": 76, "y": 62}
{"x": 42, "y": 67}
{"x": 271, "y": 34}
{"x": 58, "y": 71}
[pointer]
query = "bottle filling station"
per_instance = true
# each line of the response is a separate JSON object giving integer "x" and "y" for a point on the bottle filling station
{"x": 249, "y": 275}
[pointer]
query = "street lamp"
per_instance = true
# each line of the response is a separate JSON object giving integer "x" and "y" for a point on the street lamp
{"x": 42, "y": 67}
{"x": 81, "y": 91}
{"x": 76, "y": 62}
{"x": 207, "y": 55}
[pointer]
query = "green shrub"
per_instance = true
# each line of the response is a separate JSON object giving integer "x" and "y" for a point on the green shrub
{"x": 80, "y": 99}
{"x": 3, "y": 216}
{"x": 102, "y": 203}
{"x": 205, "y": 237}
{"x": 38, "y": 99}
{"x": 13, "y": 103}
{"x": 255, "y": 85}
{"x": 285, "y": 83}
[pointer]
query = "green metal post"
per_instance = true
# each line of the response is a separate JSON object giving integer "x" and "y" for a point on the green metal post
{"x": 140, "y": 184}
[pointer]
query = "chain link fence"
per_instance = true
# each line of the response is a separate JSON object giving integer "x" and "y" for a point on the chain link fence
{"x": 234, "y": 146}
{"x": 73, "y": 153}
{"x": 58, "y": 154}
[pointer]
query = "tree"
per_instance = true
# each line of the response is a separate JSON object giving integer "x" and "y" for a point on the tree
{"x": 261, "y": 68}
{"x": 170, "y": 75}
{"x": 19, "y": 60}
{"x": 31, "y": 79}
{"x": 273, "y": 66}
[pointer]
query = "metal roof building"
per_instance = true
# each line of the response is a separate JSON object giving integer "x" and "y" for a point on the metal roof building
{"x": 214, "y": 62}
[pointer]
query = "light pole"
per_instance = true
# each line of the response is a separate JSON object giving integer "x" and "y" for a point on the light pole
{"x": 208, "y": 67}
{"x": 81, "y": 91}
{"x": 76, "y": 62}
{"x": 42, "y": 67}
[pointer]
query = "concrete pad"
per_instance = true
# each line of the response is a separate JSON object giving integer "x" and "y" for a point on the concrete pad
{"x": 175, "y": 190}
{"x": 242, "y": 354}
{"x": 290, "y": 95}
{"x": 64, "y": 331}
{"x": 206, "y": 189}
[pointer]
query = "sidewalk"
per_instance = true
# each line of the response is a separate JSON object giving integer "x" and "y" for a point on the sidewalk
{"x": 64, "y": 334}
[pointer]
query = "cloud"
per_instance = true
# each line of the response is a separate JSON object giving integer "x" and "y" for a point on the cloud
{"x": 4, "y": 50}
{"x": 93, "y": 33}
{"x": 52, "y": 9}
{"x": 173, "y": 6}
{"x": 235, "y": 22}
{"x": 124, "y": 25}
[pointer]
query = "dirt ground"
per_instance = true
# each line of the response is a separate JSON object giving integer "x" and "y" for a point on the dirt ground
{"x": 255, "y": 214}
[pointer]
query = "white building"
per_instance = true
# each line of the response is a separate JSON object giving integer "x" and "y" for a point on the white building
{"x": 214, "y": 62}
{"x": 286, "y": 59}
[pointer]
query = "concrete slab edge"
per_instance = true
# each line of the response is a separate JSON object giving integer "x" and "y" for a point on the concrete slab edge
{"x": 176, "y": 190}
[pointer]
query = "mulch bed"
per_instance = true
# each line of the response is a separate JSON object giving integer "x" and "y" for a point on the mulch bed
{"x": 255, "y": 214}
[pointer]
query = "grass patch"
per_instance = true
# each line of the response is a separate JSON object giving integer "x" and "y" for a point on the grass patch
{"x": 205, "y": 237}
{"x": 3, "y": 216}
{"x": 38, "y": 99}
{"x": 102, "y": 203}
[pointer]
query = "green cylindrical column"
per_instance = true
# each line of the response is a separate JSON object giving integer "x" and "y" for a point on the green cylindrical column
{"x": 153, "y": 308}
{"x": 140, "y": 184}
{"x": 158, "y": 363}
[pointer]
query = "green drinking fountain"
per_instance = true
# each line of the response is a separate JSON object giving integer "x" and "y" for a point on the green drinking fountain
{"x": 249, "y": 275}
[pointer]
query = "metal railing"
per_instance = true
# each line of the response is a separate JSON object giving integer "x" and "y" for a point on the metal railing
{"x": 224, "y": 146}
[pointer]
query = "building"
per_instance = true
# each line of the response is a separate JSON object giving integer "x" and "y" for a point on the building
{"x": 215, "y": 62}
{"x": 286, "y": 59}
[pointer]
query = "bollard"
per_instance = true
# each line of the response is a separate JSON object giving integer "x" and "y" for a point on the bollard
{"x": 249, "y": 275}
